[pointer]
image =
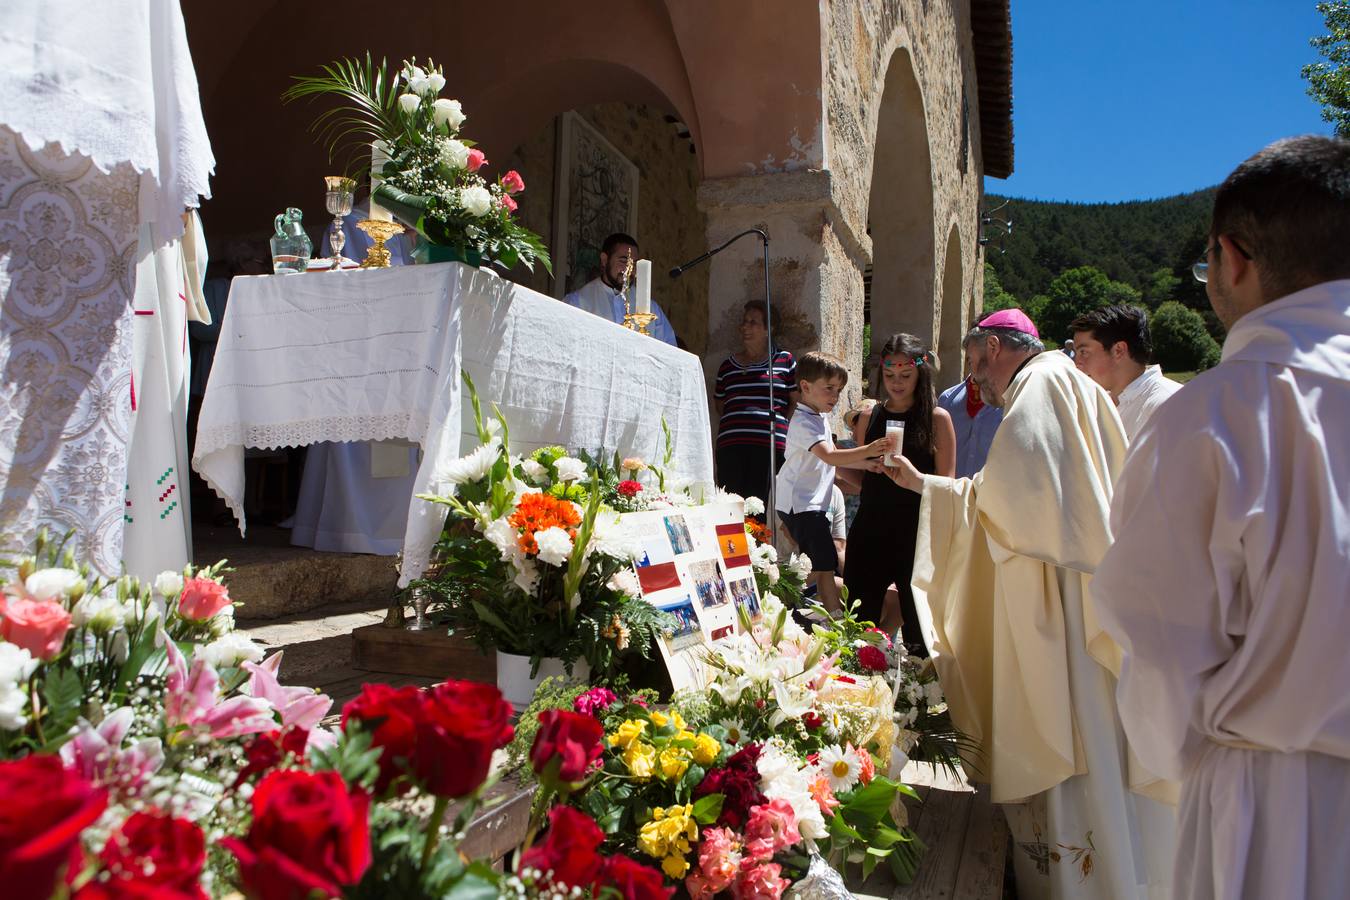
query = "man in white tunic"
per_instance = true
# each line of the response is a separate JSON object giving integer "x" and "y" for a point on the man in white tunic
{"x": 1228, "y": 586}
{"x": 1002, "y": 564}
{"x": 1113, "y": 347}
{"x": 603, "y": 296}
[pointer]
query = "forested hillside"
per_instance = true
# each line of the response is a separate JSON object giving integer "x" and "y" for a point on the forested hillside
{"x": 1062, "y": 259}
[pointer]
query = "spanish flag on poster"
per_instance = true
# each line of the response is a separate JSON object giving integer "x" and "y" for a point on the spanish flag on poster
{"x": 731, "y": 542}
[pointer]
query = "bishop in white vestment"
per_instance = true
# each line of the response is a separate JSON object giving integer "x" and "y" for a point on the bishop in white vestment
{"x": 1002, "y": 564}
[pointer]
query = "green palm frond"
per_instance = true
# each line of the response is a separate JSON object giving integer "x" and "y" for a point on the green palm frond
{"x": 369, "y": 113}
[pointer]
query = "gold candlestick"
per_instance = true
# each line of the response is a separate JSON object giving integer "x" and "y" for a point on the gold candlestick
{"x": 639, "y": 322}
{"x": 377, "y": 257}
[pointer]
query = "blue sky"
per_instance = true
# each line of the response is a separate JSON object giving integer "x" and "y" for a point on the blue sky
{"x": 1149, "y": 98}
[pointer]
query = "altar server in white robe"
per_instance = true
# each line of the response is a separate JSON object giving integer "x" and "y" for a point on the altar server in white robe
{"x": 1002, "y": 564}
{"x": 603, "y": 296}
{"x": 1228, "y": 586}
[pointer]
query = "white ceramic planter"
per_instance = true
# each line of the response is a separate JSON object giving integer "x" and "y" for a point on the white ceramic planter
{"x": 515, "y": 683}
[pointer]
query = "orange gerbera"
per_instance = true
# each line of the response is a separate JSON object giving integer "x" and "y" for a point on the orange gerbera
{"x": 758, "y": 530}
{"x": 535, "y": 512}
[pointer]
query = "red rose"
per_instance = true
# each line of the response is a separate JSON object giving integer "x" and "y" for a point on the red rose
{"x": 38, "y": 626}
{"x": 512, "y": 183}
{"x": 811, "y": 720}
{"x": 573, "y": 739}
{"x": 872, "y": 659}
{"x": 156, "y": 849}
{"x": 390, "y": 716}
{"x": 267, "y": 751}
{"x": 883, "y": 634}
{"x": 568, "y": 850}
{"x": 43, "y": 808}
{"x": 135, "y": 890}
{"x": 477, "y": 159}
{"x": 202, "y": 598}
{"x": 462, "y": 722}
{"x": 309, "y": 834}
{"x": 508, "y": 204}
{"x": 629, "y": 488}
{"x": 634, "y": 880}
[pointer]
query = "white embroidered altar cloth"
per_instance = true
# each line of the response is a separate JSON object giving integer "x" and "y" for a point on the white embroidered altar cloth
{"x": 362, "y": 355}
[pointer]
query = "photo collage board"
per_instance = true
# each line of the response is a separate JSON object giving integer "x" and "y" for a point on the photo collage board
{"x": 695, "y": 566}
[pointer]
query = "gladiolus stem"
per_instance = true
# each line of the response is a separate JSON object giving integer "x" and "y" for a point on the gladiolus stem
{"x": 434, "y": 830}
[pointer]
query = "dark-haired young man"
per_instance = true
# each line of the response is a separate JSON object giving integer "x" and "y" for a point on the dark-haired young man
{"x": 1227, "y": 585}
{"x": 1112, "y": 346}
{"x": 603, "y": 296}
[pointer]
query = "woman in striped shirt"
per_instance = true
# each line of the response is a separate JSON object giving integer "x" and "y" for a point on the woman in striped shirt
{"x": 742, "y": 396}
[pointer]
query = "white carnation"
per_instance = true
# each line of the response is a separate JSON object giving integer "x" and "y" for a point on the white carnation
{"x": 762, "y": 556}
{"x": 169, "y": 584}
{"x": 477, "y": 201}
{"x": 527, "y": 575}
{"x": 230, "y": 650}
{"x": 613, "y": 538}
{"x": 49, "y": 584}
{"x": 535, "y": 471}
{"x": 772, "y": 572}
{"x": 754, "y": 506}
{"x": 569, "y": 469}
{"x": 625, "y": 581}
{"x": 801, "y": 565}
{"x": 473, "y": 467}
{"x": 409, "y": 103}
{"x": 448, "y": 112}
{"x": 504, "y": 537}
{"x": 555, "y": 545}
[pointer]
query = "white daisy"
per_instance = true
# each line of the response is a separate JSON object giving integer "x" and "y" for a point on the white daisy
{"x": 735, "y": 731}
{"x": 840, "y": 767}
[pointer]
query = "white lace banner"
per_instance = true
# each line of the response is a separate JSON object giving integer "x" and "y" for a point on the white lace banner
{"x": 375, "y": 355}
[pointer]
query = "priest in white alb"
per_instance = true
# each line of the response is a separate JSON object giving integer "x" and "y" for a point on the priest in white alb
{"x": 1002, "y": 565}
{"x": 603, "y": 295}
{"x": 1228, "y": 587}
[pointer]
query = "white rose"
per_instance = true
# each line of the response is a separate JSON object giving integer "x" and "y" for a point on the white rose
{"x": 419, "y": 84}
{"x": 435, "y": 81}
{"x": 534, "y": 470}
{"x": 16, "y": 664}
{"x": 230, "y": 650}
{"x": 555, "y": 546}
{"x": 413, "y": 73}
{"x": 455, "y": 154}
{"x": 448, "y": 112}
{"x": 409, "y": 103}
{"x": 772, "y": 571}
{"x": 12, "y": 704}
{"x": 570, "y": 469}
{"x": 169, "y": 584}
{"x": 49, "y": 584}
{"x": 477, "y": 201}
{"x": 754, "y": 506}
{"x": 100, "y": 613}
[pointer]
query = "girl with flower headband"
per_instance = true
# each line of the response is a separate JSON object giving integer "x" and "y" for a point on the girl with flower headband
{"x": 881, "y": 542}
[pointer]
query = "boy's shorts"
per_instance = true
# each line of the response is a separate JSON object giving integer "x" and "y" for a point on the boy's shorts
{"x": 811, "y": 531}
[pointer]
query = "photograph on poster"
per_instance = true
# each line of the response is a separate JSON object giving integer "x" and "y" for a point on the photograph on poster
{"x": 743, "y": 592}
{"x": 709, "y": 585}
{"x": 687, "y": 631}
{"x": 681, "y": 541}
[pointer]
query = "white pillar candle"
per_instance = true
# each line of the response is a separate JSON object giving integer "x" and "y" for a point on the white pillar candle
{"x": 644, "y": 286}
{"x": 379, "y": 155}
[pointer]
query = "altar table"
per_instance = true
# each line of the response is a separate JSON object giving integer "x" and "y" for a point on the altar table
{"x": 361, "y": 355}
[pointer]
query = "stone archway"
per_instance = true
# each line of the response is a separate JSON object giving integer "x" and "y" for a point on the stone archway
{"x": 950, "y": 331}
{"x": 900, "y": 209}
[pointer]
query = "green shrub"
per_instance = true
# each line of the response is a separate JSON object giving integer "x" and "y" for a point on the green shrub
{"x": 1181, "y": 342}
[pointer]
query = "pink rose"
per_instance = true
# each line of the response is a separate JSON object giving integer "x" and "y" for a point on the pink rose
{"x": 512, "y": 183}
{"x": 867, "y": 767}
{"x": 202, "y": 598}
{"x": 759, "y": 880}
{"x": 823, "y": 794}
{"x": 477, "y": 159}
{"x": 771, "y": 827}
{"x": 719, "y": 860}
{"x": 38, "y": 626}
{"x": 507, "y": 203}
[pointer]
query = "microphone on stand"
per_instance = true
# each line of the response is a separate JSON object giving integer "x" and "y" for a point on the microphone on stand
{"x": 770, "y": 505}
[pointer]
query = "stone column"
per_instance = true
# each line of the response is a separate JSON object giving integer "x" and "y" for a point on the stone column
{"x": 816, "y": 262}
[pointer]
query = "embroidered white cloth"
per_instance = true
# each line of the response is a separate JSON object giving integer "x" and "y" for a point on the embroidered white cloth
{"x": 113, "y": 81}
{"x": 374, "y": 355}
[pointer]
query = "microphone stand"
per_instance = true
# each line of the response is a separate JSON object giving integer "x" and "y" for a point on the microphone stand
{"x": 771, "y": 505}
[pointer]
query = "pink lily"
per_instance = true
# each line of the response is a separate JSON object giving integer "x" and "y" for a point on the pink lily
{"x": 299, "y": 706}
{"x": 192, "y": 699}
{"x": 97, "y": 754}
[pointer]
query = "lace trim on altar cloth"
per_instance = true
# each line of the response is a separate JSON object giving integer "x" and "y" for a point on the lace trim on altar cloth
{"x": 406, "y": 425}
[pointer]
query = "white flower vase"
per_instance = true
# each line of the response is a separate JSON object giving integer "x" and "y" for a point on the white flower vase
{"x": 515, "y": 683}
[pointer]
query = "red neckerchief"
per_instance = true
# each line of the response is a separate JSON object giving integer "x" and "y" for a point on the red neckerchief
{"x": 973, "y": 402}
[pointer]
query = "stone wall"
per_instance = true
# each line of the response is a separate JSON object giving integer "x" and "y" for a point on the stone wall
{"x": 670, "y": 226}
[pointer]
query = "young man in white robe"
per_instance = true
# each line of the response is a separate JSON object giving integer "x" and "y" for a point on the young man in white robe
{"x": 1228, "y": 586}
{"x": 1002, "y": 565}
{"x": 1112, "y": 346}
{"x": 603, "y": 296}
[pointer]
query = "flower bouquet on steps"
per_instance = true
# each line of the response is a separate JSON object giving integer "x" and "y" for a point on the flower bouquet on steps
{"x": 532, "y": 561}
{"x": 426, "y": 173}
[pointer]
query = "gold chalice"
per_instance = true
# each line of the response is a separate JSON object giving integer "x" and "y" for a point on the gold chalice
{"x": 377, "y": 257}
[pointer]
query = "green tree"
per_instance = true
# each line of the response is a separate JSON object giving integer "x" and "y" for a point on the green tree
{"x": 1180, "y": 341}
{"x": 995, "y": 297}
{"x": 1329, "y": 82}
{"x": 1074, "y": 292}
{"x": 1161, "y": 286}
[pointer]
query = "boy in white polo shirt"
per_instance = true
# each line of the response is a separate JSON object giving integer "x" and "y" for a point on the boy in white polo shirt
{"x": 806, "y": 480}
